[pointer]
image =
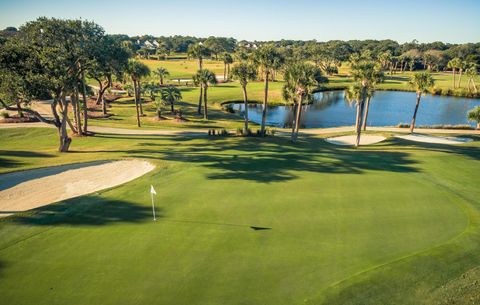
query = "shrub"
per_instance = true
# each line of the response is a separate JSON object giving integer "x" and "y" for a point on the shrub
{"x": 5, "y": 115}
{"x": 438, "y": 126}
{"x": 228, "y": 108}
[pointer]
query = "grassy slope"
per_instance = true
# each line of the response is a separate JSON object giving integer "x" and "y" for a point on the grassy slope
{"x": 125, "y": 112}
{"x": 384, "y": 224}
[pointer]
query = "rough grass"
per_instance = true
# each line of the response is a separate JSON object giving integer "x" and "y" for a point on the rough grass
{"x": 386, "y": 224}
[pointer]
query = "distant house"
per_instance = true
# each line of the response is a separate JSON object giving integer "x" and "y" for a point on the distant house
{"x": 156, "y": 44}
{"x": 148, "y": 44}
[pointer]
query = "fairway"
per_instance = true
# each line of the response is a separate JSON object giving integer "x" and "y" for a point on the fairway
{"x": 381, "y": 224}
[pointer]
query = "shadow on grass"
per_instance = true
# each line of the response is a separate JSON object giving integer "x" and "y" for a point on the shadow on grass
{"x": 276, "y": 159}
{"x": 88, "y": 210}
{"x": 6, "y": 160}
{"x": 465, "y": 150}
{"x": 2, "y": 266}
{"x": 273, "y": 159}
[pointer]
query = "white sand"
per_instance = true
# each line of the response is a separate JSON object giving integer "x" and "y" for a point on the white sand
{"x": 25, "y": 190}
{"x": 350, "y": 140}
{"x": 434, "y": 139}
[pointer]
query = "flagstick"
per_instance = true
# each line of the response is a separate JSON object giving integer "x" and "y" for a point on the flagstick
{"x": 153, "y": 207}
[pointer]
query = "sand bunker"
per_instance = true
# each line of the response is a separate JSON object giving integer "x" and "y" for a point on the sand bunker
{"x": 350, "y": 140}
{"x": 434, "y": 139}
{"x": 25, "y": 190}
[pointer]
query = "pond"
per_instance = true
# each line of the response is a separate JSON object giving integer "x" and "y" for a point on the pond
{"x": 387, "y": 108}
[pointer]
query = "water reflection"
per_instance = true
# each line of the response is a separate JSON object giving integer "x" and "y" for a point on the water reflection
{"x": 387, "y": 108}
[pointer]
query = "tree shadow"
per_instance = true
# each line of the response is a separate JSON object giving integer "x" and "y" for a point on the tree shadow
{"x": 274, "y": 159}
{"x": 465, "y": 150}
{"x": 11, "y": 179}
{"x": 2, "y": 266}
{"x": 87, "y": 210}
{"x": 7, "y": 162}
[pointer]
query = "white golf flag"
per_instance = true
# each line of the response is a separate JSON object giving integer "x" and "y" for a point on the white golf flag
{"x": 152, "y": 190}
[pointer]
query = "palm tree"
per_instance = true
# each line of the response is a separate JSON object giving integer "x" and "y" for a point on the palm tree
{"x": 205, "y": 78}
{"x": 196, "y": 82}
{"x": 198, "y": 51}
{"x": 376, "y": 77}
{"x": 462, "y": 66}
{"x": 474, "y": 115}
{"x": 288, "y": 94}
{"x": 227, "y": 61}
{"x": 136, "y": 70}
{"x": 244, "y": 72}
{"x": 454, "y": 64}
{"x": 353, "y": 95}
{"x": 385, "y": 60}
{"x": 159, "y": 103}
{"x": 161, "y": 73}
{"x": 367, "y": 73}
{"x": 171, "y": 95}
{"x": 422, "y": 82}
{"x": 268, "y": 59}
{"x": 301, "y": 78}
{"x": 472, "y": 73}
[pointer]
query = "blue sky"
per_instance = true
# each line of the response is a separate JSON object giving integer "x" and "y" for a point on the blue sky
{"x": 424, "y": 20}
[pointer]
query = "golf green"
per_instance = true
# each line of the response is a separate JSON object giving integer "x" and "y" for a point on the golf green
{"x": 385, "y": 224}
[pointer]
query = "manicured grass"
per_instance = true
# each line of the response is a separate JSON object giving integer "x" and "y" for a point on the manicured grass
{"x": 124, "y": 109}
{"x": 386, "y": 224}
{"x": 184, "y": 68}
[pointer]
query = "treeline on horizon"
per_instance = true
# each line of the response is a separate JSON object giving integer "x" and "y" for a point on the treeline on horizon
{"x": 329, "y": 55}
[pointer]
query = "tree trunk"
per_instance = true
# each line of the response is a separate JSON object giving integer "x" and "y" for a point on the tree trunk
{"x": 200, "y": 63}
{"x": 245, "y": 112}
{"x": 365, "y": 115}
{"x": 360, "y": 109}
{"x": 460, "y": 78}
{"x": 101, "y": 95}
{"x": 19, "y": 111}
{"x": 78, "y": 118}
{"x": 172, "y": 109}
{"x": 65, "y": 140}
{"x": 412, "y": 125}
{"x": 136, "y": 102}
{"x": 228, "y": 72}
{"x": 474, "y": 86}
{"x": 297, "y": 119}
{"x": 224, "y": 72}
{"x": 294, "y": 115}
{"x": 454, "y": 82}
{"x": 264, "y": 108}
{"x": 357, "y": 120}
{"x": 104, "y": 106}
{"x": 140, "y": 98}
{"x": 159, "y": 113}
{"x": 200, "y": 100}
{"x": 85, "y": 106}
{"x": 75, "y": 111}
{"x": 67, "y": 119}
{"x": 161, "y": 80}
{"x": 205, "y": 107}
